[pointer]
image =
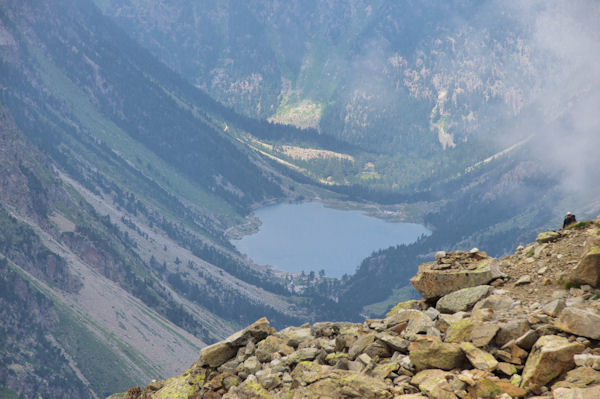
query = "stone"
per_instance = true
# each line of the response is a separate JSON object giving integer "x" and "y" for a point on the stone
{"x": 554, "y": 307}
{"x": 230, "y": 381}
{"x": 252, "y": 365}
{"x": 396, "y": 343}
{"x": 587, "y": 360}
{"x": 255, "y": 332}
{"x": 513, "y": 329}
{"x": 438, "y": 384}
{"x": 216, "y": 354}
{"x": 527, "y": 340}
{"x": 576, "y": 393}
{"x": 506, "y": 368}
{"x": 273, "y": 344}
{"x": 431, "y": 283}
{"x": 332, "y": 383}
{"x": 460, "y": 330}
{"x": 496, "y": 302}
{"x": 439, "y": 255}
{"x": 432, "y": 313}
{"x": 463, "y": 299}
{"x": 445, "y": 320}
{"x": 324, "y": 329}
{"x": 418, "y": 322}
{"x": 580, "y": 377}
{"x": 548, "y": 236}
{"x": 431, "y": 353}
{"x": 406, "y": 305}
{"x": 377, "y": 349}
{"x": 269, "y": 381}
{"x": 489, "y": 387}
{"x": 293, "y": 336}
{"x": 360, "y": 345}
{"x": 525, "y": 279}
{"x": 580, "y": 322}
{"x": 384, "y": 370}
{"x": 588, "y": 269}
{"x": 483, "y": 334}
{"x": 551, "y": 356}
{"x": 480, "y": 359}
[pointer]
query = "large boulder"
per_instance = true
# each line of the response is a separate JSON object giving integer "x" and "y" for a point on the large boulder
{"x": 580, "y": 322}
{"x": 550, "y": 357}
{"x": 463, "y": 299}
{"x": 431, "y": 353}
{"x": 435, "y": 279}
{"x": 587, "y": 270}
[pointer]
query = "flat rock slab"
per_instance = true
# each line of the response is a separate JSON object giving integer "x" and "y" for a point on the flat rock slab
{"x": 463, "y": 299}
{"x": 432, "y": 283}
{"x": 579, "y": 322}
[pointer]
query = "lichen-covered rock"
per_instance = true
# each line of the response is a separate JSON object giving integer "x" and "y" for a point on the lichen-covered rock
{"x": 463, "y": 299}
{"x": 438, "y": 383}
{"x": 406, "y": 305}
{"x": 547, "y": 236}
{"x": 318, "y": 381}
{"x": 580, "y": 322}
{"x": 181, "y": 386}
{"x": 551, "y": 356}
{"x": 460, "y": 331}
{"x": 431, "y": 353}
{"x": 480, "y": 359}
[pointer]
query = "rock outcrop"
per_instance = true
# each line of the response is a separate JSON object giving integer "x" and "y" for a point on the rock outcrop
{"x": 465, "y": 340}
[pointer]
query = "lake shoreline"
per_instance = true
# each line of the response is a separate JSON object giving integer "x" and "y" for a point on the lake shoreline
{"x": 320, "y": 235}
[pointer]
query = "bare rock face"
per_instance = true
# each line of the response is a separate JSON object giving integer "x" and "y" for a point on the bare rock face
{"x": 551, "y": 356}
{"x": 579, "y": 321}
{"x": 453, "y": 272}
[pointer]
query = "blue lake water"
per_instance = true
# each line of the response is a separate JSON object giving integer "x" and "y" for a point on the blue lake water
{"x": 310, "y": 237}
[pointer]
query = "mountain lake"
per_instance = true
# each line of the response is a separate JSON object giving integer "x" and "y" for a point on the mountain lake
{"x": 310, "y": 237}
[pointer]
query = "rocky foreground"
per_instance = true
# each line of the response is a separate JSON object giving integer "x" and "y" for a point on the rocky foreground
{"x": 523, "y": 326}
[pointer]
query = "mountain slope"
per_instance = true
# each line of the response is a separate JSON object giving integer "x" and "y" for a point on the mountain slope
{"x": 120, "y": 240}
{"x": 520, "y": 326}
